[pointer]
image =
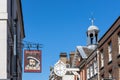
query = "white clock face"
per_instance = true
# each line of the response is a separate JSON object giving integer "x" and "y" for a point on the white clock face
{"x": 60, "y": 69}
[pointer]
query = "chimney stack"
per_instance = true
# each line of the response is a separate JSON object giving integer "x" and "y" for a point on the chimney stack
{"x": 71, "y": 57}
{"x": 63, "y": 57}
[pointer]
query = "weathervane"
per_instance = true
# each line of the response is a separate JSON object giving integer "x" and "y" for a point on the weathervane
{"x": 92, "y": 19}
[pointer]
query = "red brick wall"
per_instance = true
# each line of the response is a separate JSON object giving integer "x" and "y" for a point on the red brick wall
{"x": 103, "y": 44}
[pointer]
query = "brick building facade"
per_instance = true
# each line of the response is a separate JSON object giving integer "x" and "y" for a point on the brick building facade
{"x": 109, "y": 52}
{"x": 99, "y": 59}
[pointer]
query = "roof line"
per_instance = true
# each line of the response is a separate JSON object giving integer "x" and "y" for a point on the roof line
{"x": 80, "y": 49}
{"x": 109, "y": 29}
{"x": 22, "y": 17}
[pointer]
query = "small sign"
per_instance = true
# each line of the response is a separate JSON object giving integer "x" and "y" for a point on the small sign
{"x": 32, "y": 61}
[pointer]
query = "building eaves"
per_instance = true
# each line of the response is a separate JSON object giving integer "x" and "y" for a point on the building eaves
{"x": 22, "y": 17}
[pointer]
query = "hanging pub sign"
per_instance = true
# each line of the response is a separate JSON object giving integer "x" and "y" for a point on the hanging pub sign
{"x": 32, "y": 61}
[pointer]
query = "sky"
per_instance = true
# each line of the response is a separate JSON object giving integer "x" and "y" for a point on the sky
{"x": 61, "y": 25}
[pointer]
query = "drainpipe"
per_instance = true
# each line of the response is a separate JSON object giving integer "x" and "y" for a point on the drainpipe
{"x": 15, "y": 49}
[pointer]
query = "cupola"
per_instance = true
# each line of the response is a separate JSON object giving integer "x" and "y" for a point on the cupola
{"x": 92, "y": 35}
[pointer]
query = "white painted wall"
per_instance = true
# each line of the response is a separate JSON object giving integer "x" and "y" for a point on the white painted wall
{"x": 3, "y": 9}
{"x": 3, "y": 39}
{"x": 3, "y": 6}
{"x": 3, "y": 49}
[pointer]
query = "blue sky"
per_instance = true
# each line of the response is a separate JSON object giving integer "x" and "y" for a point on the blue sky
{"x": 61, "y": 25}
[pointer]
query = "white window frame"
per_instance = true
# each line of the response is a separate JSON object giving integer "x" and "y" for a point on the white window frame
{"x": 110, "y": 51}
{"x": 88, "y": 73}
{"x": 92, "y": 71}
{"x": 102, "y": 58}
{"x": 95, "y": 68}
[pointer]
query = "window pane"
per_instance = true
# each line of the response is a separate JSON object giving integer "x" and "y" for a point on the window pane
{"x": 95, "y": 67}
{"x": 102, "y": 58}
{"x": 119, "y": 38}
{"x": 119, "y": 48}
{"x": 119, "y": 43}
{"x": 88, "y": 74}
{"x": 110, "y": 51}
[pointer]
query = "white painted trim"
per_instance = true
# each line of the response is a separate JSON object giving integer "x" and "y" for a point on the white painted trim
{"x": 72, "y": 69}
